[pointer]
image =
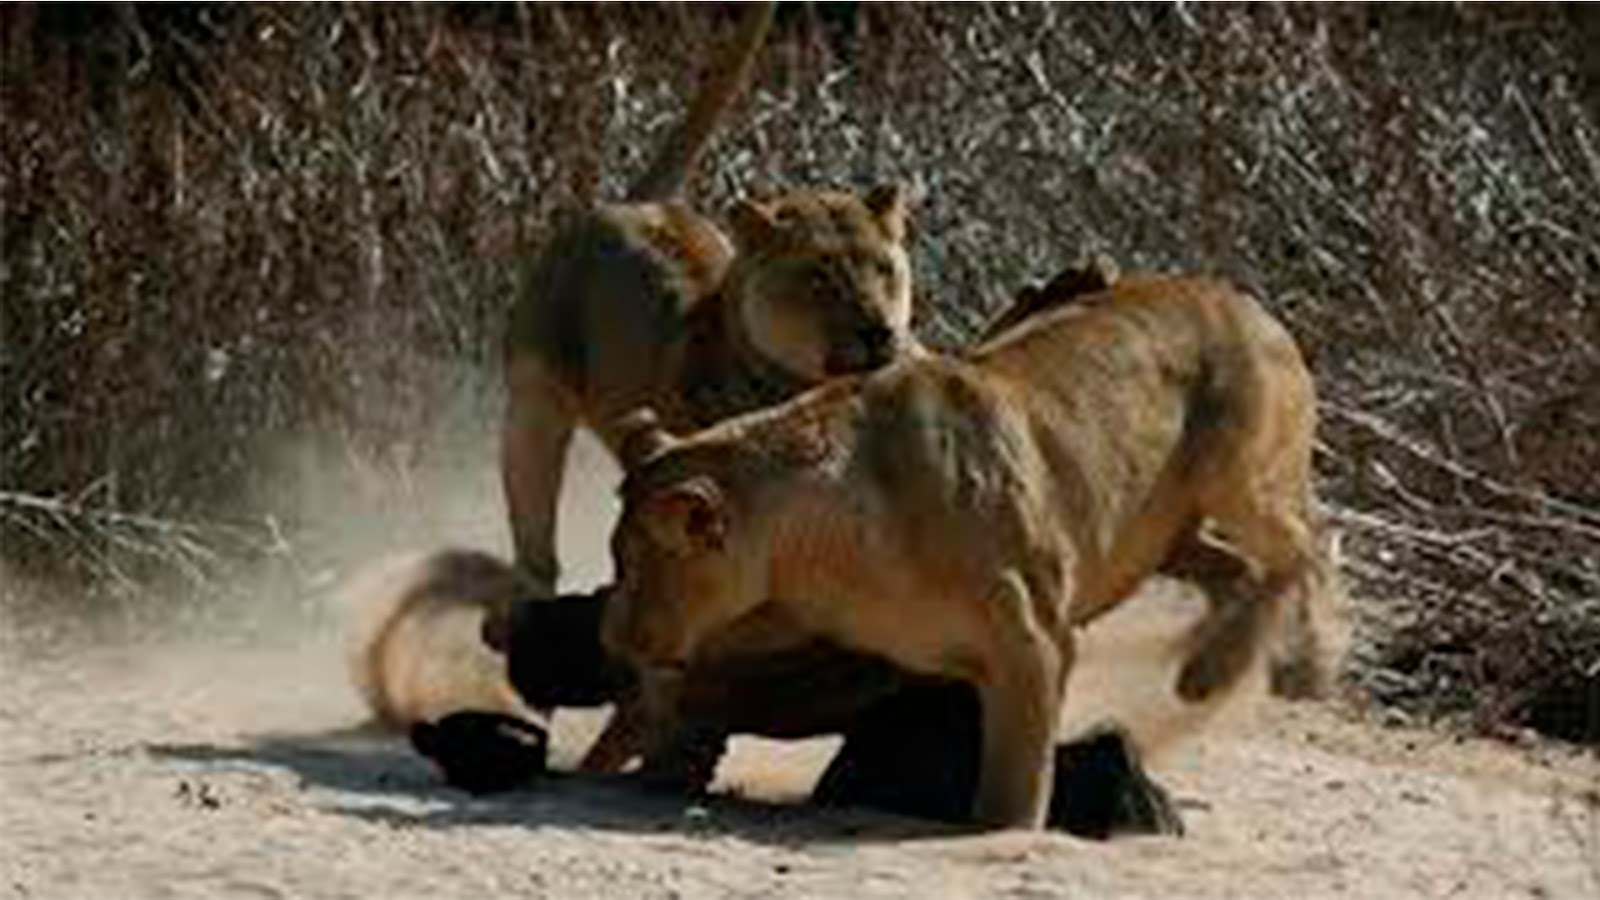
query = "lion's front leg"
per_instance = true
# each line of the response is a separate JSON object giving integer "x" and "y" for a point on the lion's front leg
{"x": 1021, "y": 694}
{"x": 620, "y": 741}
{"x": 645, "y": 723}
{"x": 539, "y": 421}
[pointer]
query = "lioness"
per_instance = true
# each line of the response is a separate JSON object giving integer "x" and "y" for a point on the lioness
{"x": 554, "y": 657}
{"x": 1302, "y": 658}
{"x": 645, "y": 302}
{"x": 962, "y": 515}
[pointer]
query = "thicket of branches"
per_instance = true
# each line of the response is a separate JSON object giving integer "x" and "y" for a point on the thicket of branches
{"x": 224, "y": 224}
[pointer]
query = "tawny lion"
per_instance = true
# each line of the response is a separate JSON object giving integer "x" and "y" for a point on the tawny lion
{"x": 645, "y": 302}
{"x": 963, "y": 515}
{"x": 1304, "y": 654}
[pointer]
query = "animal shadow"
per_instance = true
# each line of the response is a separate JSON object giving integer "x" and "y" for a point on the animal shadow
{"x": 377, "y": 777}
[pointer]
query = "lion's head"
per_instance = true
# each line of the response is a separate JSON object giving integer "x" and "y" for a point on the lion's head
{"x": 686, "y": 550}
{"x": 821, "y": 283}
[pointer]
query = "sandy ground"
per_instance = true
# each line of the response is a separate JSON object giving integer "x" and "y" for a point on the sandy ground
{"x": 229, "y": 768}
{"x": 230, "y": 764}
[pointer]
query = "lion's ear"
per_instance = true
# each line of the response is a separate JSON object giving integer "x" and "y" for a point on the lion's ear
{"x": 690, "y": 517}
{"x": 640, "y": 436}
{"x": 753, "y": 224}
{"x": 888, "y": 205}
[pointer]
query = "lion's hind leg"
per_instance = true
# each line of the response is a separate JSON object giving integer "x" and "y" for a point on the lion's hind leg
{"x": 1246, "y": 580}
{"x": 1304, "y": 656}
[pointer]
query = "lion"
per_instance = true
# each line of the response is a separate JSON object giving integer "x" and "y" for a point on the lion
{"x": 647, "y": 303}
{"x": 555, "y": 659}
{"x": 961, "y": 515}
{"x": 1300, "y": 665}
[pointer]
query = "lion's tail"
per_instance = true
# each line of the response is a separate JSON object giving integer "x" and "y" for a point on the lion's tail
{"x": 412, "y": 626}
{"x": 668, "y": 172}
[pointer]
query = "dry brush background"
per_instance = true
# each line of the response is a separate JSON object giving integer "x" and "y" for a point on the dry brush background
{"x": 227, "y": 227}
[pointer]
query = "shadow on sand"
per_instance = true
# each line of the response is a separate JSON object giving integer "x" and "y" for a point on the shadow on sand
{"x": 376, "y": 777}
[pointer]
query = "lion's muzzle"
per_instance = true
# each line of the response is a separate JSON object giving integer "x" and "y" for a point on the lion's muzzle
{"x": 872, "y": 347}
{"x": 646, "y": 639}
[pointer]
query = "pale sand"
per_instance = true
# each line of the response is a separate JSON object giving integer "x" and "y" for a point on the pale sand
{"x": 229, "y": 765}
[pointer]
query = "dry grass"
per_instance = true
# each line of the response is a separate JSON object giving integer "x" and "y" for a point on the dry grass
{"x": 224, "y": 227}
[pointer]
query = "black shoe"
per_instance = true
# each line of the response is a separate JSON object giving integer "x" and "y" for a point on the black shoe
{"x": 483, "y": 752}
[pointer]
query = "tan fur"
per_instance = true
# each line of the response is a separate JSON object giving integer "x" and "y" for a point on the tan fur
{"x": 647, "y": 303}
{"x": 1314, "y": 631}
{"x": 963, "y": 515}
{"x": 412, "y": 642}
{"x": 628, "y": 732}
{"x": 1303, "y": 659}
